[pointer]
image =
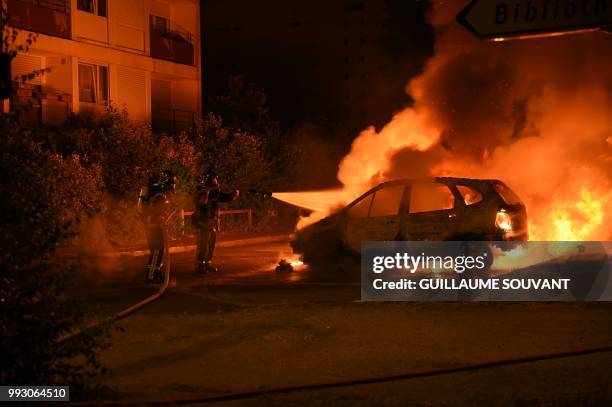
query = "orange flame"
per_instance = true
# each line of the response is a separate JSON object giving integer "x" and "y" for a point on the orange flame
{"x": 536, "y": 115}
{"x": 573, "y": 220}
{"x": 563, "y": 203}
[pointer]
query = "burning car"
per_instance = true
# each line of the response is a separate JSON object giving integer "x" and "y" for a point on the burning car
{"x": 433, "y": 209}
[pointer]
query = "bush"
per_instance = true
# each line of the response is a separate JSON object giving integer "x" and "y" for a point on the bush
{"x": 126, "y": 152}
{"x": 237, "y": 156}
{"x": 44, "y": 198}
{"x": 127, "y": 155}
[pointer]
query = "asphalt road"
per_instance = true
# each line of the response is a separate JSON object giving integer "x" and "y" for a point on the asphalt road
{"x": 248, "y": 327}
{"x": 113, "y": 283}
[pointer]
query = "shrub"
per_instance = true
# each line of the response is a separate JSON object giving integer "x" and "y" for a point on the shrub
{"x": 44, "y": 198}
{"x": 127, "y": 154}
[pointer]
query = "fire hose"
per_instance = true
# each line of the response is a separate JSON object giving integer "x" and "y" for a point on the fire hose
{"x": 354, "y": 382}
{"x": 130, "y": 310}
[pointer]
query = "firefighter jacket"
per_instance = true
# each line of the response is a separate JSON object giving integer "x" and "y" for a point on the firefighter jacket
{"x": 153, "y": 203}
{"x": 206, "y": 203}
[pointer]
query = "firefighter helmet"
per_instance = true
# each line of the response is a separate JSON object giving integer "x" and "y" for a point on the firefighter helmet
{"x": 167, "y": 179}
{"x": 210, "y": 178}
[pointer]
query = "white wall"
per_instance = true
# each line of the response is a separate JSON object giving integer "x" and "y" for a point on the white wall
{"x": 131, "y": 91}
{"x": 128, "y": 22}
{"x": 185, "y": 95}
{"x": 120, "y": 42}
{"x": 89, "y": 26}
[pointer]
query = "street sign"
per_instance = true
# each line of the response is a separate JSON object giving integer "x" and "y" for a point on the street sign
{"x": 507, "y": 19}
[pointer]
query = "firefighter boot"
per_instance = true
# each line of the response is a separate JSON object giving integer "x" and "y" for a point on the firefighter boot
{"x": 200, "y": 268}
{"x": 160, "y": 274}
{"x": 209, "y": 268}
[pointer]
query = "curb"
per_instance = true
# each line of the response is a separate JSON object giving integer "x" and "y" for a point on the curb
{"x": 190, "y": 248}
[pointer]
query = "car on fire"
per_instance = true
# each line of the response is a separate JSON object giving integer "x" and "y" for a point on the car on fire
{"x": 432, "y": 209}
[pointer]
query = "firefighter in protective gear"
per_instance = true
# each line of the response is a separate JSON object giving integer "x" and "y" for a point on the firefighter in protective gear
{"x": 153, "y": 205}
{"x": 207, "y": 198}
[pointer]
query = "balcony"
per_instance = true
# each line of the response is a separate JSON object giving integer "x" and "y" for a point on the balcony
{"x": 34, "y": 106}
{"x": 172, "y": 121}
{"x": 173, "y": 45}
{"x": 51, "y": 17}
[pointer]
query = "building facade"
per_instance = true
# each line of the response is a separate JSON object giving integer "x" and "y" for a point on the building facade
{"x": 139, "y": 55}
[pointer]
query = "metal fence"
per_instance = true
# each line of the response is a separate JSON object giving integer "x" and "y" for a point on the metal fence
{"x": 248, "y": 212}
{"x": 172, "y": 121}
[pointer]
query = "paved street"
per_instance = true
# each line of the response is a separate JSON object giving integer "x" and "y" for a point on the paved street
{"x": 248, "y": 327}
{"x": 247, "y": 273}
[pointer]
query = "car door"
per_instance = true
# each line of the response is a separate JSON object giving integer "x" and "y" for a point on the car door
{"x": 380, "y": 222}
{"x": 431, "y": 213}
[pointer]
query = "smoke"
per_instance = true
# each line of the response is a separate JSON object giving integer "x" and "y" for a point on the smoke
{"x": 115, "y": 226}
{"x": 552, "y": 109}
{"x": 535, "y": 113}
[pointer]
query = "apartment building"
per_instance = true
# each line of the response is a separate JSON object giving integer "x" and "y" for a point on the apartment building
{"x": 141, "y": 55}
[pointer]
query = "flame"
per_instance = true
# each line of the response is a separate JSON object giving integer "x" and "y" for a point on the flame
{"x": 369, "y": 158}
{"x": 296, "y": 263}
{"x": 535, "y": 114}
{"x": 573, "y": 220}
{"x": 576, "y": 209}
{"x": 366, "y": 164}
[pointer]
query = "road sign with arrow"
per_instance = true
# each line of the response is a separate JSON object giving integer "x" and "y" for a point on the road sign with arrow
{"x": 507, "y": 19}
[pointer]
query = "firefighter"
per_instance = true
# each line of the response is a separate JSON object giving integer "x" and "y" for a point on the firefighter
{"x": 153, "y": 205}
{"x": 207, "y": 198}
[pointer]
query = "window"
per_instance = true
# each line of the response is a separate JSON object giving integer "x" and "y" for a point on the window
{"x": 387, "y": 201}
{"x": 362, "y": 208}
{"x": 507, "y": 194}
{"x": 159, "y": 25}
{"x": 102, "y": 8}
{"x": 470, "y": 195}
{"x": 431, "y": 197}
{"x": 93, "y": 6}
{"x": 93, "y": 84}
{"x": 86, "y": 5}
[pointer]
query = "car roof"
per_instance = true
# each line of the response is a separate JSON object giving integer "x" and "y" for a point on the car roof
{"x": 448, "y": 180}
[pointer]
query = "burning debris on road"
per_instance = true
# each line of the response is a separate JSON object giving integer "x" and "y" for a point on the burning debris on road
{"x": 289, "y": 265}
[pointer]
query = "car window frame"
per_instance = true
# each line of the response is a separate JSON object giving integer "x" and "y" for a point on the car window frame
{"x": 403, "y": 199}
{"x": 460, "y": 198}
{"x": 365, "y": 195}
{"x": 402, "y": 202}
{"x": 515, "y": 202}
{"x": 451, "y": 189}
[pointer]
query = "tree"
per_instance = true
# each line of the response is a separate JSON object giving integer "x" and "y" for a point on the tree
{"x": 9, "y": 48}
{"x": 44, "y": 198}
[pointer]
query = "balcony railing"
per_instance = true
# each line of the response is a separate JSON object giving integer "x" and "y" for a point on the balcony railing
{"x": 172, "y": 121}
{"x": 172, "y": 45}
{"x": 33, "y": 106}
{"x": 50, "y": 17}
